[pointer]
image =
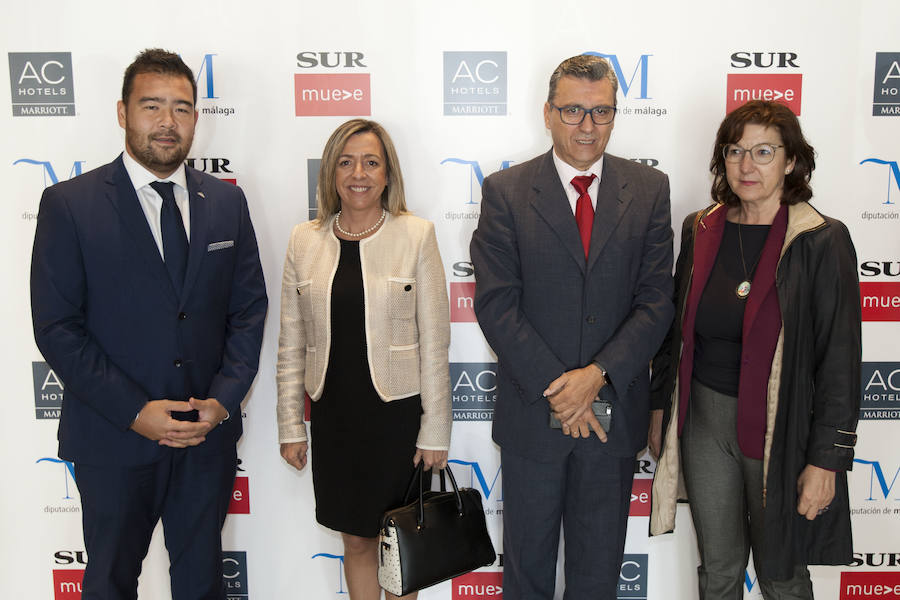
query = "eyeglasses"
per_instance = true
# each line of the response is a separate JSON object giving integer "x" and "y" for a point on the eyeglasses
{"x": 574, "y": 114}
{"x": 761, "y": 154}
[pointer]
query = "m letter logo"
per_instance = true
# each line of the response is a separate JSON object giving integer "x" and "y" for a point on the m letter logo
{"x": 332, "y": 94}
{"x": 762, "y": 86}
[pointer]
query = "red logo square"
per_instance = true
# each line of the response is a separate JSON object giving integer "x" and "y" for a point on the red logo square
{"x": 67, "y": 584}
{"x": 762, "y": 86}
{"x": 476, "y": 586}
{"x": 640, "y": 498}
{"x": 861, "y": 585}
{"x": 462, "y": 302}
{"x": 332, "y": 94}
{"x": 240, "y": 497}
{"x": 880, "y": 300}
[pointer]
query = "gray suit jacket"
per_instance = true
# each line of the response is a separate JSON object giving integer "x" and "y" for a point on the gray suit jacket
{"x": 545, "y": 310}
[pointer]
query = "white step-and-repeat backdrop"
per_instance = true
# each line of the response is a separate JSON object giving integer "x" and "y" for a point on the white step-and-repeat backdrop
{"x": 460, "y": 87}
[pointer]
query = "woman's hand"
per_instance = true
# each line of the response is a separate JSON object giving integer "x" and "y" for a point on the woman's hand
{"x": 431, "y": 458}
{"x": 295, "y": 454}
{"x": 815, "y": 491}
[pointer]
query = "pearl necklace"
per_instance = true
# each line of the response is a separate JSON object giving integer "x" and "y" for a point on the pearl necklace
{"x": 337, "y": 225}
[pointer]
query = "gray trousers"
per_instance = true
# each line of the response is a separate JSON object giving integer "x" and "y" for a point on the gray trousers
{"x": 725, "y": 492}
{"x": 590, "y": 494}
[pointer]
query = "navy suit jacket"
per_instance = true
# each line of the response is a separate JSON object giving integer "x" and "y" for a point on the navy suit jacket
{"x": 111, "y": 325}
{"x": 545, "y": 310}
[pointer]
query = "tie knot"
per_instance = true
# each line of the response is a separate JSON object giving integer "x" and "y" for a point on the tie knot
{"x": 165, "y": 189}
{"x": 582, "y": 182}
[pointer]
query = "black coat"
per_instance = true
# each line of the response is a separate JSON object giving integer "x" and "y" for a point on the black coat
{"x": 817, "y": 371}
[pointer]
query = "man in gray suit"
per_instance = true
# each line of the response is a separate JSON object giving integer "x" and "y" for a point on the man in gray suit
{"x": 573, "y": 268}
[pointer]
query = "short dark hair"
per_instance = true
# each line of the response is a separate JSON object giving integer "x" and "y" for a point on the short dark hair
{"x": 768, "y": 114}
{"x": 583, "y": 66}
{"x": 156, "y": 60}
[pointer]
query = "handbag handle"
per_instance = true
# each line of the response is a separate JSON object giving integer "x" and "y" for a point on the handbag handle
{"x": 420, "y": 516}
{"x": 419, "y": 472}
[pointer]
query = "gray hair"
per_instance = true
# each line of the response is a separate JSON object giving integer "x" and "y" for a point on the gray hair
{"x": 583, "y": 66}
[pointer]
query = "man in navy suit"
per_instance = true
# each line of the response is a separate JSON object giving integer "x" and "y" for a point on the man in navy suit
{"x": 148, "y": 300}
{"x": 573, "y": 268}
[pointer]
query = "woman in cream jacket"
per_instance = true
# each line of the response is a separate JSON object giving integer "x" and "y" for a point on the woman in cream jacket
{"x": 365, "y": 334}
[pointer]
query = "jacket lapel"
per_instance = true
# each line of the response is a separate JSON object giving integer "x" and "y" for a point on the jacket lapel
{"x": 613, "y": 199}
{"x": 550, "y": 201}
{"x": 121, "y": 194}
{"x": 199, "y": 207}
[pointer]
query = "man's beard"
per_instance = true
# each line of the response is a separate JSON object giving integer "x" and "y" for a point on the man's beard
{"x": 155, "y": 158}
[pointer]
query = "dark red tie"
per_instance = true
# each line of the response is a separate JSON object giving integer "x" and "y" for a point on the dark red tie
{"x": 584, "y": 212}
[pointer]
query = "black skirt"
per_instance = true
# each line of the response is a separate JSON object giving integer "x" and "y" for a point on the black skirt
{"x": 362, "y": 447}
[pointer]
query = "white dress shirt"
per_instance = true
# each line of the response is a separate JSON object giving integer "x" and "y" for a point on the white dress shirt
{"x": 151, "y": 202}
{"x": 567, "y": 172}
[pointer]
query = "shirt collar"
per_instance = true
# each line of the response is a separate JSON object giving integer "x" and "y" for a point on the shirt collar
{"x": 567, "y": 172}
{"x": 141, "y": 177}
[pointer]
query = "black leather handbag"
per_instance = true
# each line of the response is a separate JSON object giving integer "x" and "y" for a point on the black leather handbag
{"x": 435, "y": 537}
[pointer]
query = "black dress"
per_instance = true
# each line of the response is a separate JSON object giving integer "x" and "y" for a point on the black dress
{"x": 362, "y": 447}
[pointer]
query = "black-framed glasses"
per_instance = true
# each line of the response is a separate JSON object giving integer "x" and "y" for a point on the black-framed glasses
{"x": 574, "y": 114}
{"x": 761, "y": 154}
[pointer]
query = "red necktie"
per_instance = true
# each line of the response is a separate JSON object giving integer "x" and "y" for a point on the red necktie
{"x": 584, "y": 212}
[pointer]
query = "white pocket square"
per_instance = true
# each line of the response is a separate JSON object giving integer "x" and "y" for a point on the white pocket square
{"x": 220, "y": 245}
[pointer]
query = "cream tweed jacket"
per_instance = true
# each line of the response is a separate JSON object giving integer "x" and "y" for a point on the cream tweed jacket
{"x": 407, "y": 317}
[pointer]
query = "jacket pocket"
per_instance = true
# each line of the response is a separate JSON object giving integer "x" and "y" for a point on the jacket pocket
{"x": 404, "y": 367}
{"x": 402, "y": 308}
{"x": 402, "y": 297}
{"x": 304, "y": 303}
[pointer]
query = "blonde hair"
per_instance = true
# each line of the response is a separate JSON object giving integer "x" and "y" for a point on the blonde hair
{"x": 328, "y": 202}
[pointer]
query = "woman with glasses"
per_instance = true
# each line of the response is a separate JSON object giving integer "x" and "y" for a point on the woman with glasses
{"x": 758, "y": 381}
{"x": 365, "y": 332}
